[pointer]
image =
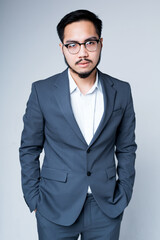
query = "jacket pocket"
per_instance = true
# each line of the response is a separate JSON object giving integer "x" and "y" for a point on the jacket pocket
{"x": 54, "y": 174}
{"x": 111, "y": 172}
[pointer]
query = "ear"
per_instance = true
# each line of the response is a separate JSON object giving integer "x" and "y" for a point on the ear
{"x": 101, "y": 40}
{"x": 61, "y": 46}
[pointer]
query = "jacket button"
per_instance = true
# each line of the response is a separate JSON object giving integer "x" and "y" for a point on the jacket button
{"x": 88, "y": 173}
{"x": 88, "y": 150}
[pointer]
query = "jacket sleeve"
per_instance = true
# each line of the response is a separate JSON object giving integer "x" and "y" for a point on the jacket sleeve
{"x": 126, "y": 148}
{"x": 32, "y": 140}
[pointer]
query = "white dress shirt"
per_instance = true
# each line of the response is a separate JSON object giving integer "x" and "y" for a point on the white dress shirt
{"x": 87, "y": 109}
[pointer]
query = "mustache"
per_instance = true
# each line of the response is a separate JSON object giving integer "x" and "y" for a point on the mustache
{"x": 87, "y": 60}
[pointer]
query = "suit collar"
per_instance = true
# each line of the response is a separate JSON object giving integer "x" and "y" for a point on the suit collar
{"x": 62, "y": 95}
{"x": 73, "y": 86}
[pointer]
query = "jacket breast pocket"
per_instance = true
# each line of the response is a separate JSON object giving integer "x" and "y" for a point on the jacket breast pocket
{"x": 54, "y": 174}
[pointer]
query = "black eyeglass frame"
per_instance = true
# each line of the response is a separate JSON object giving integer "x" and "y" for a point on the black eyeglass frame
{"x": 84, "y": 43}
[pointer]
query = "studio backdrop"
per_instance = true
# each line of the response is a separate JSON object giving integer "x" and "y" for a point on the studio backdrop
{"x": 131, "y": 52}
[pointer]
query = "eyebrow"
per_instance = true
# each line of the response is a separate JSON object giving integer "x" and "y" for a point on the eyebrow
{"x": 88, "y": 39}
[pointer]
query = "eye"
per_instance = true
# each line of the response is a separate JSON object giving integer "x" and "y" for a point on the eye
{"x": 90, "y": 43}
{"x": 72, "y": 45}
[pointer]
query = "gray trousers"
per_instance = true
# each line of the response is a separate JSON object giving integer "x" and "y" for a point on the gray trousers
{"x": 92, "y": 224}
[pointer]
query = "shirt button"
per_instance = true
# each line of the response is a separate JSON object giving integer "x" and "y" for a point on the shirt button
{"x": 88, "y": 173}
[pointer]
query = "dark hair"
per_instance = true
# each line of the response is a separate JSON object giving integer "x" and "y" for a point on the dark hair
{"x": 76, "y": 16}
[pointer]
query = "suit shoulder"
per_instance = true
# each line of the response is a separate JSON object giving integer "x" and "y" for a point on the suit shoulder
{"x": 118, "y": 83}
{"x": 46, "y": 82}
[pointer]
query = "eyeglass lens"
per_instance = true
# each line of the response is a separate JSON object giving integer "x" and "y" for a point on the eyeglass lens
{"x": 75, "y": 47}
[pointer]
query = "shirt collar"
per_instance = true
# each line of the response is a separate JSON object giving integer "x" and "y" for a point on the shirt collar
{"x": 73, "y": 86}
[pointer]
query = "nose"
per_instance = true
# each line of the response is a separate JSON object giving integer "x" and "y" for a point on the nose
{"x": 83, "y": 52}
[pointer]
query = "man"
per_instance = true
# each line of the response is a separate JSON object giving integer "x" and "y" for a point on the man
{"x": 82, "y": 118}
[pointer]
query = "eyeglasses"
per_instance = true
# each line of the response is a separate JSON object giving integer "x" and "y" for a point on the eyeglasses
{"x": 74, "y": 47}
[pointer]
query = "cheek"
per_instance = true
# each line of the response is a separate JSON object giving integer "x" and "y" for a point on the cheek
{"x": 95, "y": 58}
{"x": 70, "y": 58}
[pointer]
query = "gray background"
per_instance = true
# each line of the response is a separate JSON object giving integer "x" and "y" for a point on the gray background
{"x": 29, "y": 52}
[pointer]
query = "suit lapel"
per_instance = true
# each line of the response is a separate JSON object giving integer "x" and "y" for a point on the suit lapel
{"x": 62, "y": 95}
{"x": 109, "y": 94}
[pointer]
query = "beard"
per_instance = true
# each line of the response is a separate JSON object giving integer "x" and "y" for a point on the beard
{"x": 85, "y": 74}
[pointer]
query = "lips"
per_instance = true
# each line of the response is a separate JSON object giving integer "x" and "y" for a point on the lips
{"x": 83, "y": 62}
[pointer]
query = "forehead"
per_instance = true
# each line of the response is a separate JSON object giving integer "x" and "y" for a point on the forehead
{"x": 79, "y": 31}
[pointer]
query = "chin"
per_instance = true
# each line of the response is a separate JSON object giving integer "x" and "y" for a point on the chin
{"x": 84, "y": 73}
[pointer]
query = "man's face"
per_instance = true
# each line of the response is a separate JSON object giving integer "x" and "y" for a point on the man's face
{"x": 84, "y": 62}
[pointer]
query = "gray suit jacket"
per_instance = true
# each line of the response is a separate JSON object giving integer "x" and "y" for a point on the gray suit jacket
{"x": 59, "y": 189}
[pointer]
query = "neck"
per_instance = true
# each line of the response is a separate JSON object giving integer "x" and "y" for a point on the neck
{"x": 84, "y": 84}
